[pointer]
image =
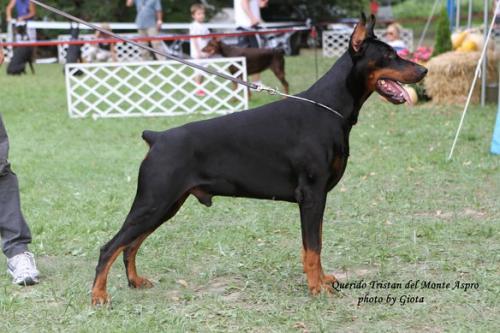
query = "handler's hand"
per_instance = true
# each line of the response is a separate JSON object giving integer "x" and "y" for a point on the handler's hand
{"x": 1, "y": 54}
{"x": 254, "y": 21}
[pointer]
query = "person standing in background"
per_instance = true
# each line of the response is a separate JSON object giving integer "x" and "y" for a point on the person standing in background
{"x": 14, "y": 231}
{"x": 25, "y": 11}
{"x": 103, "y": 52}
{"x": 197, "y": 44}
{"x": 247, "y": 18}
{"x": 149, "y": 20}
{"x": 393, "y": 37}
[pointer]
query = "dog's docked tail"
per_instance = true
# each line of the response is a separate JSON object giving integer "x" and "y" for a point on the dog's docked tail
{"x": 150, "y": 137}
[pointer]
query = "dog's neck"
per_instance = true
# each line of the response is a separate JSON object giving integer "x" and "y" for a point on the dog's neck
{"x": 342, "y": 89}
{"x": 224, "y": 49}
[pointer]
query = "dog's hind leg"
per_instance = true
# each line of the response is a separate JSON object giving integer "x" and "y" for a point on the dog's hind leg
{"x": 139, "y": 224}
{"x": 155, "y": 202}
{"x": 30, "y": 62}
{"x": 129, "y": 254}
{"x": 278, "y": 69}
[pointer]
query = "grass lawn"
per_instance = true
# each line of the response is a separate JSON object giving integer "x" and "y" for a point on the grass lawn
{"x": 400, "y": 213}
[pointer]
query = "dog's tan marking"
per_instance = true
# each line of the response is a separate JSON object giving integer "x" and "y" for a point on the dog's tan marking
{"x": 317, "y": 281}
{"x": 134, "y": 279}
{"x": 358, "y": 36}
{"x": 99, "y": 294}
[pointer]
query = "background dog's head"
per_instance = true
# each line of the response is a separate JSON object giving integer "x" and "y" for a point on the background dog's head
{"x": 22, "y": 30}
{"x": 75, "y": 32}
{"x": 214, "y": 46}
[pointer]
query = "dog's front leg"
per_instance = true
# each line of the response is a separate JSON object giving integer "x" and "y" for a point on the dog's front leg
{"x": 312, "y": 205}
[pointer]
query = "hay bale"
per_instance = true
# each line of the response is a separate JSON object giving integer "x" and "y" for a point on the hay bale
{"x": 450, "y": 76}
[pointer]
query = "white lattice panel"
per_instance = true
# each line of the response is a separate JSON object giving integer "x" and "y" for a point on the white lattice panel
{"x": 152, "y": 88}
{"x": 124, "y": 51}
{"x": 336, "y": 42}
{"x": 7, "y": 51}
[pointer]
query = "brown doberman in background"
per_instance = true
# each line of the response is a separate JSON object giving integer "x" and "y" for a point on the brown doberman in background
{"x": 257, "y": 59}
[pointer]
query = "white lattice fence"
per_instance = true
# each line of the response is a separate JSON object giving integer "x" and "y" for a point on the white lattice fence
{"x": 153, "y": 88}
{"x": 7, "y": 51}
{"x": 336, "y": 42}
{"x": 124, "y": 51}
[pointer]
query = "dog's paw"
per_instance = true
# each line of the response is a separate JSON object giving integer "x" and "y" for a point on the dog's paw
{"x": 325, "y": 288}
{"x": 329, "y": 279}
{"x": 100, "y": 298}
{"x": 324, "y": 285}
{"x": 140, "y": 283}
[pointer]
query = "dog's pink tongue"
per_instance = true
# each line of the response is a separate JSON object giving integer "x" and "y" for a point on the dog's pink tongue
{"x": 407, "y": 96}
{"x": 402, "y": 91}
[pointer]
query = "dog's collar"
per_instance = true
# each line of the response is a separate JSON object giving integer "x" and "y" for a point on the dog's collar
{"x": 272, "y": 91}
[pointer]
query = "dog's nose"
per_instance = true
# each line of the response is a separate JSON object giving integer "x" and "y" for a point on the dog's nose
{"x": 423, "y": 70}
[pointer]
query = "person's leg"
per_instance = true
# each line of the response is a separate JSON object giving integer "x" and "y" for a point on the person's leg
{"x": 92, "y": 55}
{"x": 157, "y": 45}
{"x": 256, "y": 79}
{"x": 14, "y": 231}
{"x": 254, "y": 43}
{"x": 13, "y": 228}
{"x": 103, "y": 55}
{"x": 145, "y": 54}
{"x": 198, "y": 79}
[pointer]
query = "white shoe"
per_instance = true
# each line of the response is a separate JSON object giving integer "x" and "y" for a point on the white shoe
{"x": 22, "y": 267}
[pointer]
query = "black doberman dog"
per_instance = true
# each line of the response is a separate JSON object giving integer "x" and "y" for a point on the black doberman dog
{"x": 257, "y": 59}
{"x": 22, "y": 54}
{"x": 289, "y": 150}
{"x": 74, "y": 52}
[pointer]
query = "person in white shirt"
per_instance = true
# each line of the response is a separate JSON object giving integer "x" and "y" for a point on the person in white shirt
{"x": 247, "y": 13}
{"x": 247, "y": 17}
{"x": 103, "y": 52}
{"x": 393, "y": 37}
{"x": 197, "y": 44}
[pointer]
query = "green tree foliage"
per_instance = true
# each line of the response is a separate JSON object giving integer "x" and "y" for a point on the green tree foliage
{"x": 319, "y": 10}
{"x": 443, "y": 34}
{"x": 178, "y": 11}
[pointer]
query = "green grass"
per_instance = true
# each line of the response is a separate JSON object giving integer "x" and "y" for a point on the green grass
{"x": 400, "y": 213}
{"x": 422, "y": 9}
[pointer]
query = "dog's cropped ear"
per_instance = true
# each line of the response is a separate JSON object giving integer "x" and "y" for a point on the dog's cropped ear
{"x": 359, "y": 34}
{"x": 370, "y": 26}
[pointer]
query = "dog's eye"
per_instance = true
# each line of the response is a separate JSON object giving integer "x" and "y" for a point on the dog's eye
{"x": 391, "y": 56}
